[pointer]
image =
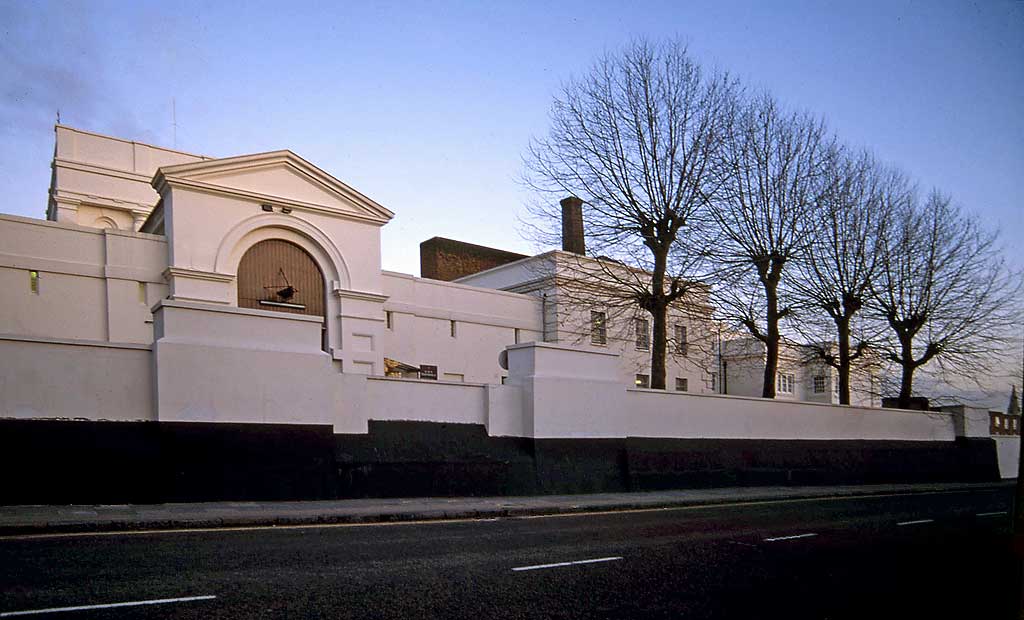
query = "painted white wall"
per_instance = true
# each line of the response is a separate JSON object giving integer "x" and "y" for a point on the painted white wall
{"x": 222, "y": 364}
{"x": 575, "y": 394}
{"x": 1008, "y": 449}
{"x": 212, "y": 361}
{"x": 486, "y": 321}
{"x": 71, "y": 379}
{"x": 93, "y": 284}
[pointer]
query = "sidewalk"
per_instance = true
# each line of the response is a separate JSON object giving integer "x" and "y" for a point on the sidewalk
{"x": 16, "y": 520}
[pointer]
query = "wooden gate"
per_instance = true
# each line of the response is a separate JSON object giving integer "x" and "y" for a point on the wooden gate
{"x": 280, "y": 276}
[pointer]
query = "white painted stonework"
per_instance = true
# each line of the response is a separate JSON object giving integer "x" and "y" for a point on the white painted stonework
{"x": 124, "y": 306}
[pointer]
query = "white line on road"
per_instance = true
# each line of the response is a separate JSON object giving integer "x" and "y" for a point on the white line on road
{"x": 918, "y": 522}
{"x": 557, "y": 564}
{"x": 990, "y": 514}
{"x": 156, "y": 601}
{"x": 789, "y": 537}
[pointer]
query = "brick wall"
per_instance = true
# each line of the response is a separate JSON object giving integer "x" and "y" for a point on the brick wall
{"x": 447, "y": 259}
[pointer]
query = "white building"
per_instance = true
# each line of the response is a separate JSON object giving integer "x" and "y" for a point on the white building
{"x": 137, "y": 224}
{"x": 801, "y": 374}
{"x": 200, "y": 326}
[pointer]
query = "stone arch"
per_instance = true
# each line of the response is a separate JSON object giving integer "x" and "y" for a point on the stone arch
{"x": 105, "y": 223}
{"x": 310, "y": 239}
{"x": 251, "y": 231}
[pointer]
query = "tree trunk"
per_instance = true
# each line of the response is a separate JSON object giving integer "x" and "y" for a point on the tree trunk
{"x": 843, "y": 325}
{"x": 659, "y": 317}
{"x": 659, "y": 311}
{"x": 907, "y": 378}
{"x": 771, "y": 343}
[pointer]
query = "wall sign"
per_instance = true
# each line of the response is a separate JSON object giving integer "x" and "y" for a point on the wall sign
{"x": 428, "y": 372}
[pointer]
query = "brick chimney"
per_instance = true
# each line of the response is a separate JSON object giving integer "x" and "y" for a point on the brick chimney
{"x": 572, "y": 225}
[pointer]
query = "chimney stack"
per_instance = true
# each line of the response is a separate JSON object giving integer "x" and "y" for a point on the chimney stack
{"x": 572, "y": 225}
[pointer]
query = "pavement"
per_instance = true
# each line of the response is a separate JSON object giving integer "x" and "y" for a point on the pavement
{"x": 29, "y": 519}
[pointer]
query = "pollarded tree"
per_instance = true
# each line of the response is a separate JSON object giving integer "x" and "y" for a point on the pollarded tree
{"x": 945, "y": 292}
{"x": 636, "y": 139}
{"x": 776, "y": 164}
{"x": 839, "y": 265}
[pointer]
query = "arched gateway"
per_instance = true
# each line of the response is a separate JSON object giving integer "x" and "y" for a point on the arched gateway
{"x": 278, "y": 275}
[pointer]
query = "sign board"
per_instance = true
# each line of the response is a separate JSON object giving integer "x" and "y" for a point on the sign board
{"x": 428, "y": 372}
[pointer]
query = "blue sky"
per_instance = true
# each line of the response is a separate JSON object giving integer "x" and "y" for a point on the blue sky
{"x": 428, "y": 107}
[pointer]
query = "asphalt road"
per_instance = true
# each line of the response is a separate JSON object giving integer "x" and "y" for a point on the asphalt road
{"x": 942, "y": 555}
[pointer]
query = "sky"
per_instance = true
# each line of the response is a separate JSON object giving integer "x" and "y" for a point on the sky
{"x": 428, "y": 107}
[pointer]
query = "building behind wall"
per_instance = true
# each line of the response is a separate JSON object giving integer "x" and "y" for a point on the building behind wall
{"x": 185, "y": 327}
{"x": 801, "y": 374}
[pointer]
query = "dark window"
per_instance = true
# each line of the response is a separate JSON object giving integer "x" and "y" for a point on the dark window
{"x": 598, "y": 328}
{"x": 681, "y": 344}
{"x": 643, "y": 338}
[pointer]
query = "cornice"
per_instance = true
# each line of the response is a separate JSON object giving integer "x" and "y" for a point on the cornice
{"x": 89, "y": 167}
{"x": 80, "y": 198}
{"x": 342, "y": 293}
{"x": 196, "y": 274}
{"x": 189, "y": 171}
{"x": 161, "y": 182}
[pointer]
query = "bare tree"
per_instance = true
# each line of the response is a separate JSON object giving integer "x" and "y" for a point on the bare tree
{"x": 776, "y": 163}
{"x": 636, "y": 139}
{"x": 945, "y": 293}
{"x": 841, "y": 262}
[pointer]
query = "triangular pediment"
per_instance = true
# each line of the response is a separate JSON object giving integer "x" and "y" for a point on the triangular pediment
{"x": 280, "y": 177}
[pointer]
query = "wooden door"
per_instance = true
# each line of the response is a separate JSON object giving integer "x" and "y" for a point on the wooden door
{"x": 280, "y": 276}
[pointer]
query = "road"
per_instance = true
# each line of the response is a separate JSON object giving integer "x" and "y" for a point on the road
{"x": 940, "y": 555}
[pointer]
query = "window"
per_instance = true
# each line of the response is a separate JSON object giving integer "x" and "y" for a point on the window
{"x": 142, "y": 293}
{"x": 515, "y": 336}
{"x": 452, "y": 328}
{"x": 682, "y": 384}
{"x": 784, "y": 383}
{"x": 714, "y": 382}
{"x": 643, "y": 338}
{"x": 504, "y": 379}
{"x": 819, "y": 384}
{"x": 999, "y": 422}
{"x": 388, "y": 320}
{"x": 598, "y": 328}
{"x": 643, "y": 381}
{"x": 33, "y": 282}
{"x": 681, "y": 344}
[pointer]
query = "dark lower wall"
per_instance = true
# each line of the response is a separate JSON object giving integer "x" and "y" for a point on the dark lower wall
{"x": 75, "y": 462}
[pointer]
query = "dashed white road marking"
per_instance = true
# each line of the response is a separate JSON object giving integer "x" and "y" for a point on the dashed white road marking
{"x": 795, "y": 536}
{"x": 156, "y": 601}
{"x": 558, "y": 564}
{"x": 991, "y": 514}
{"x": 917, "y": 522}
